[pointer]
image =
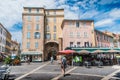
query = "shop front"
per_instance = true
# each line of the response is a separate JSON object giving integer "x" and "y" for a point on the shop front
{"x": 31, "y": 56}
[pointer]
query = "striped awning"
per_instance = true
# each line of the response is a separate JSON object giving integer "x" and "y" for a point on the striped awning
{"x": 32, "y": 53}
{"x": 96, "y": 50}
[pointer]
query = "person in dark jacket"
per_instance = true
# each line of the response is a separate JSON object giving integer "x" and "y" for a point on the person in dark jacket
{"x": 63, "y": 65}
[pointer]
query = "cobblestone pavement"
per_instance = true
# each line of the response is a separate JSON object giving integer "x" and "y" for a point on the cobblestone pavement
{"x": 51, "y": 71}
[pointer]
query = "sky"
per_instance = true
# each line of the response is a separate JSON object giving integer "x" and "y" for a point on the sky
{"x": 105, "y": 13}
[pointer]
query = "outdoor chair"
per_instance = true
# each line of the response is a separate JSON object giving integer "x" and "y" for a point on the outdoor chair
{"x": 98, "y": 63}
{"x": 87, "y": 64}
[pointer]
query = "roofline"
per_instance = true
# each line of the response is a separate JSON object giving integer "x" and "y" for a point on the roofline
{"x": 33, "y": 7}
{"x": 40, "y": 8}
{"x": 6, "y": 30}
{"x": 103, "y": 33}
{"x": 77, "y": 20}
{"x": 15, "y": 42}
{"x": 53, "y": 9}
{"x": 65, "y": 20}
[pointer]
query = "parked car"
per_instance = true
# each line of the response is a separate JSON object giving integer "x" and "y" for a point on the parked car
{"x": 4, "y": 72}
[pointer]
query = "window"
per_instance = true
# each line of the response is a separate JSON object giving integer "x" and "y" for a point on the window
{"x": 29, "y": 18}
{"x": 85, "y": 34}
{"x": 78, "y": 44}
{"x": 1, "y": 30}
{"x": 0, "y": 49}
{"x": 47, "y": 19}
{"x": 55, "y": 28}
{"x": 54, "y": 19}
{"x": 54, "y": 36}
{"x": 37, "y": 35}
{"x": 48, "y": 36}
{"x": 28, "y": 45}
{"x": 28, "y": 35}
{"x": 77, "y": 24}
{"x": 48, "y": 28}
{"x": 36, "y": 44}
{"x": 70, "y": 24}
{"x": 29, "y": 10}
{"x": 84, "y": 24}
{"x": 86, "y": 44}
{"x": 71, "y": 44}
{"x": 47, "y": 12}
{"x": 54, "y": 12}
{"x": 71, "y": 34}
{"x": 28, "y": 27}
{"x": 37, "y": 26}
{"x": 3, "y": 49}
{"x": 37, "y": 18}
{"x": 37, "y": 10}
{"x": 78, "y": 34}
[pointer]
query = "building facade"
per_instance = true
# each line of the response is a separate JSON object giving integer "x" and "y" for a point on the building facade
{"x": 15, "y": 48}
{"x": 116, "y": 39}
{"x": 41, "y": 31}
{"x": 78, "y": 33}
{"x": 2, "y": 38}
{"x": 5, "y": 40}
{"x": 8, "y": 43}
{"x": 45, "y": 32}
{"x": 103, "y": 40}
{"x": 53, "y": 31}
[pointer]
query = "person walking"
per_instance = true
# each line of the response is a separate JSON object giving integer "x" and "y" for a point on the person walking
{"x": 51, "y": 59}
{"x": 63, "y": 65}
{"x": 28, "y": 60}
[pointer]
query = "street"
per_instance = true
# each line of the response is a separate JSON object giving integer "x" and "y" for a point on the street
{"x": 48, "y": 71}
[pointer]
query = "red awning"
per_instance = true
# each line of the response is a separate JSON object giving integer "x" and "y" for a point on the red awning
{"x": 66, "y": 52}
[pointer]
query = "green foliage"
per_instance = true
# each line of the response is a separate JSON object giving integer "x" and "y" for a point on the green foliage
{"x": 7, "y": 60}
{"x": 10, "y": 61}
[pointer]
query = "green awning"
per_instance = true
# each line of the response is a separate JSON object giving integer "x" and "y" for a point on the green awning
{"x": 117, "y": 56}
{"x": 92, "y": 50}
{"x": 32, "y": 53}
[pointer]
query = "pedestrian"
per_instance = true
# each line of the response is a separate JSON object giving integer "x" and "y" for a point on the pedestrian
{"x": 51, "y": 59}
{"x": 28, "y": 61}
{"x": 63, "y": 65}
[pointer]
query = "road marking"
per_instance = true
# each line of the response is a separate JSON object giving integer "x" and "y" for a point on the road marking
{"x": 31, "y": 71}
{"x": 56, "y": 78}
{"x": 87, "y": 74}
{"x": 110, "y": 75}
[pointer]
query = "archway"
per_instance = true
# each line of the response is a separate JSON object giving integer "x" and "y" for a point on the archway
{"x": 51, "y": 48}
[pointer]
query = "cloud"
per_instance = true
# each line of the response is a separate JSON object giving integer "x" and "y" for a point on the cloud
{"x": 11, "y": 12}
{"x": 88, "y": 14}
{"x": 104, "y": 22}
{"x": 104, "y": 2}
{"x": 70, "y": 15}
{"x": 115, "y": 13}
{"x": 108, "y": 18}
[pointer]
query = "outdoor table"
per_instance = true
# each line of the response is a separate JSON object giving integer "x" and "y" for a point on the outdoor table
{"x": 87, "y": 64}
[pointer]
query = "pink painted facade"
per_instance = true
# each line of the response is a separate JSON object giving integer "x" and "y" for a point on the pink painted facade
{"x": 78, "y": 33}
{"x": 103, "y": 40}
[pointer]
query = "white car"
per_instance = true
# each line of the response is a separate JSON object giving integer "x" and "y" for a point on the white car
{"x": 4, "y": 72}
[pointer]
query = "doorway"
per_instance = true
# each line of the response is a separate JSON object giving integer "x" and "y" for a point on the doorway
{"x": 51, "y": 49}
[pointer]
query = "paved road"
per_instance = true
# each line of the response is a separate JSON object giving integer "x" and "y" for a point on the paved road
{"x": 1, "y": 63}
{"x": 53, "y": 71}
